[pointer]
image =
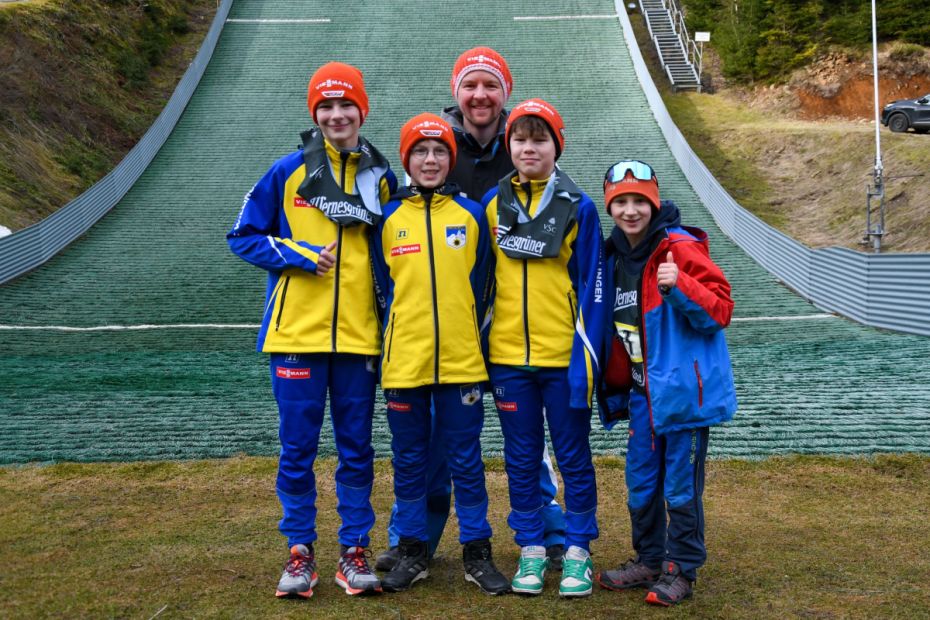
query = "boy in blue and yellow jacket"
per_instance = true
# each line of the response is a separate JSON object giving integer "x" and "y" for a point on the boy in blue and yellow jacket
{"x": 308, "y": 222}
{"x": 431, "y": 258}
{"x": 668, "y": 371}
{"x": 548, "y": 317}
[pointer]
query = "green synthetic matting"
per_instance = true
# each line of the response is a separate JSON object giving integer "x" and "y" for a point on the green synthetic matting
{"x": 160, "y": 257}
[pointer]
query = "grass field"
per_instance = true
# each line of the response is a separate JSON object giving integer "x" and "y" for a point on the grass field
{"x": 801, "y": 537}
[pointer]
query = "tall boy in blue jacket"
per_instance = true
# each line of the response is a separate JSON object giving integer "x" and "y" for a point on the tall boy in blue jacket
{"x": 668, "y": 370}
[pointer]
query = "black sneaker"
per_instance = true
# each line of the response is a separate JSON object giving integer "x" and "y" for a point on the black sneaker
{"x": 387, "y": 560}
{"x": 412, "y": 566}
{"x": 671, "y": 588}
{"x": 480, "y": 569}
{"x": 555, "y": 553}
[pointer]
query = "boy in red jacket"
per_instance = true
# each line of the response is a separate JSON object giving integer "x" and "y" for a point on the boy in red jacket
{"x": 669, "y": 372}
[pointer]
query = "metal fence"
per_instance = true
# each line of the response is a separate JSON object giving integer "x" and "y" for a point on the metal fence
{"x": 881, "y": 290}
{"x": 30, "y": 247}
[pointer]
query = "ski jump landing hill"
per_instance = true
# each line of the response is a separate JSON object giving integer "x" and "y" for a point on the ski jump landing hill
{"x": 137, "y": 340}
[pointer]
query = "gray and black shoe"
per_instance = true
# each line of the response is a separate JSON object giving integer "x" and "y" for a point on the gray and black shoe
{"x": 671, "y": 588}
{"x": 555, "y": 554}
{"x": 387, "y": 560}
{"x": 633, "y": 573}
{"x": 480, "y": 569}
{"x": 412, "y": 566}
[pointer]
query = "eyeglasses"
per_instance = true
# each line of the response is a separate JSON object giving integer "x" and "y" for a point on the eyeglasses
{"x": 422, "y": 152}
{"x": 640, "y": 171}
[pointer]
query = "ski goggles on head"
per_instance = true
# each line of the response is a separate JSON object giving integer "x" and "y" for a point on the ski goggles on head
{"x": 641, "y": 171}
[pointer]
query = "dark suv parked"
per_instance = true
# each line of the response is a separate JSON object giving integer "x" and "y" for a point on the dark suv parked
{"x": 904, "y": 113}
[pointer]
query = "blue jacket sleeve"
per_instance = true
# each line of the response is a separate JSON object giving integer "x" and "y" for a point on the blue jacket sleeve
{"x": 491, "y": 287}
{"x": 256, "y": 236}
{"x": 480, "y": 274}
{"x": 380, "y": 268}
{"x": 587, "y": 263}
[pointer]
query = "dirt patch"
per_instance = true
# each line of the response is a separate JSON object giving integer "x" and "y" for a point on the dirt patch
{"x": 841, "y": 86}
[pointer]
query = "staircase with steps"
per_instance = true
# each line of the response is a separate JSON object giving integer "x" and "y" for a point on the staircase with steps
{"x": 677, "y": 52}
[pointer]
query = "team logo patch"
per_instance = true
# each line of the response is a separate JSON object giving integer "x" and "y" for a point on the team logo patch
{"x": 390, "y": 393}
{"x": 292, "y": 358}
{"x": 506, "y": 406}
{"x": 549, "y": 226}
{"x": 499, "y": 391}
{"x": 292, "y": 373}
{"x": 395, "y": 406}
{"x": 402, "y": 233}
{"x": 455, "y": 236}
{"x": 470, "y": 394}
{"x": 400, "y": 250}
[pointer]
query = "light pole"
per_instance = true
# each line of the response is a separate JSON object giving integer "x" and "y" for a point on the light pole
{"x": 875, "y": 230}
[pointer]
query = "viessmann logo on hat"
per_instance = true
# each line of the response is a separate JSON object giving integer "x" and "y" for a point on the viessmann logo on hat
{"x": 334, "y": 93}
{"x": 534, "y": 107}
{"x": 429, "y": 129}
{"x": 481, "y": 58}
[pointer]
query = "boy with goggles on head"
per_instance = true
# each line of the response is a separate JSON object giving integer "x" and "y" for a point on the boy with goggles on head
{"x": 668, "y": 371}
{"x": 549, "y": 314}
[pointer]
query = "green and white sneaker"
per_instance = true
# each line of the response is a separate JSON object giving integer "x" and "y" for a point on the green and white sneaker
{"x": 577, "y": 573}
{"x": 531, "y": 571}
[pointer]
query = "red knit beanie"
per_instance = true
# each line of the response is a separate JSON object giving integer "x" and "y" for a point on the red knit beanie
{"x": 426, "y": 126}
{"x": 336, "y": 80}
{"x": 543, "y": 110}
{"x": 482, "y": 59}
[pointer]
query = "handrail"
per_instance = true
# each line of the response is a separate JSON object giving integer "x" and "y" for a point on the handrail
{"x": 26, "y": 249}
{"x": 889, "y": 290}
{"x": 677, "y": 20}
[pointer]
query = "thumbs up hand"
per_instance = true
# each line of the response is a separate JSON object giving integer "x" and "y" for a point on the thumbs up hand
{"x": 326, "y": 260}
{"x": 667, "y": 275}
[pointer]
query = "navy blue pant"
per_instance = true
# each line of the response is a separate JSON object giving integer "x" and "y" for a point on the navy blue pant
{"x": 665, "y": 484}
{"x": 526, "y": 400}
{"x": 439, "y": 497}
{"x": 456, "y": 425}
{"x": 300, "y": 383}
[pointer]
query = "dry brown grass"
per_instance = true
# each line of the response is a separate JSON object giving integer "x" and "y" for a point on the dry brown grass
{"x": 787, "y": 537}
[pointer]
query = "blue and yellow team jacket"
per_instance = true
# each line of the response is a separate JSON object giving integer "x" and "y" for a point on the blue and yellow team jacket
{"x": 551, "y": 312}
{"x": 432, "y": 270}
{"x": 281, "y": 232}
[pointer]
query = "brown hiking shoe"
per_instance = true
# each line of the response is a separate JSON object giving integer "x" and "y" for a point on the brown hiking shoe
{"x": 671, "y": 588}
{"x": 631, "y": 574}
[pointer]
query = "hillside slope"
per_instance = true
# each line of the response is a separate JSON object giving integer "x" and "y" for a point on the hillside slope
{"x": 80, "y": 82}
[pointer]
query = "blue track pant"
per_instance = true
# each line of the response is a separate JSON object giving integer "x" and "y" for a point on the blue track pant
{"x": 300, "y": 383}
{"x": 665, "y": 483}
{"x": 525, "y": 401}
{"x": 456, "y": 426}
